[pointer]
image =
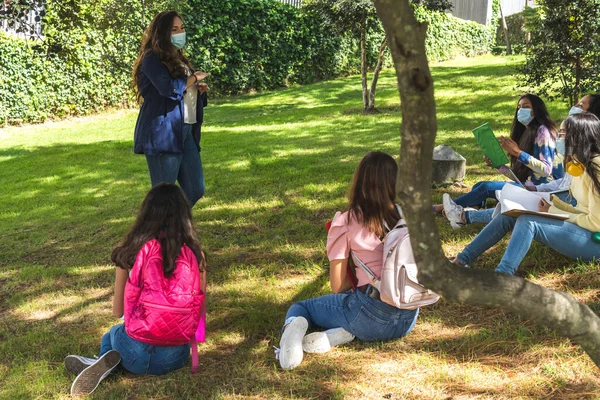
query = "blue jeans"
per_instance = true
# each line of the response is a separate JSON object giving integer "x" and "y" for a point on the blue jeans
{"x": 366, "y": 318}
{"x": 143, "y": 358}
{"x": 480, "y": 193}
{"x": 485, "y": 216}
{"x": 568, "y": 239}
{"x": 185, "y": 168}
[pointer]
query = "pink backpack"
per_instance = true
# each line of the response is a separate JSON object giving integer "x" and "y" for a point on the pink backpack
{"x": 164, "y": 311}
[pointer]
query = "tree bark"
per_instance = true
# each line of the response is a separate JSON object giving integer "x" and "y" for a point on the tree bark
{"x": 557, "y": 310}
{"x": 363, "y": 61}
{"x": 505, "y": 29}
{"x": 371, "y": 106}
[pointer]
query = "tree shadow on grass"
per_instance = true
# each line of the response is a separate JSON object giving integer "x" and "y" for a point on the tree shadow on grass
{"x": 275, "y": 173}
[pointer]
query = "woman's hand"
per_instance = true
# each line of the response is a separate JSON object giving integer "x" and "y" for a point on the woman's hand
{"x": 510, "y": 146}
{"x": 543, "y": 206}
{"x": 202, "y": 87}
{"x": 487, "y": 161}
{"x": 530, "y": 186}
{"x": 200, "y": 75}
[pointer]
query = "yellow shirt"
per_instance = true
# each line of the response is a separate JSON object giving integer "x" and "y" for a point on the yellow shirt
{"x": 586, "y": 213}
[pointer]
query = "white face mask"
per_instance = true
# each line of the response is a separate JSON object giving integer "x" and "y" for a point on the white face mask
{"x": 560, "y": 146}
{"x": 575, "y": 110}
{"x": 178, "y": 40}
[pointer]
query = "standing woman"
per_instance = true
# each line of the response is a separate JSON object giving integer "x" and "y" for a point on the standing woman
{"x": 168, "y": 125}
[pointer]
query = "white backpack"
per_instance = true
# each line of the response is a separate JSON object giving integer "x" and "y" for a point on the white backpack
{"x": 398, "y": 284}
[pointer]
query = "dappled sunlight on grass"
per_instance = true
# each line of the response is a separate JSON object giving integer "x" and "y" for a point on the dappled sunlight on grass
{"x": 278, "y": 165}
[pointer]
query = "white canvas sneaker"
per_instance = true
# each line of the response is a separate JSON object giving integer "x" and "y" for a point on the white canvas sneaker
{"x": 322, "y": 342}
{"x": 290, "y": 353}
{"x": 89, "y": 379}
{"x": 453, "y": 212}
{"x": 75, "y": 364}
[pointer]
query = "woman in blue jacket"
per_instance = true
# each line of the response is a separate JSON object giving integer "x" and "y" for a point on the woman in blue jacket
{"x": 168, "y": 126}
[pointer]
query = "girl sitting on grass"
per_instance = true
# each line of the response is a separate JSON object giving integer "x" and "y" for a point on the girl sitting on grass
{"x": 531, "y": 149}
{"x": 572, "y": 237}
{"x": 348, "y": 313}
{"x": 159, "y": 289}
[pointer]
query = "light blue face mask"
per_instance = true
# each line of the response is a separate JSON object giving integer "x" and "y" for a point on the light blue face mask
{"x": 524, "y": 116}
{"x": 178, "y": 40}
{"x": 560, "y": 146}
{"x": 575, "y": 110}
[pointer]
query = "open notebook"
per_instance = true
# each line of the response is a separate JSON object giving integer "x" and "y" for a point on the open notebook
{"x": 514, "y": 201}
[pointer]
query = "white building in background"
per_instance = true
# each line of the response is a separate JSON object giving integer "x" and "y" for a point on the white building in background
{"x": 481, "y": 10}
{"x": 29, "y": 21}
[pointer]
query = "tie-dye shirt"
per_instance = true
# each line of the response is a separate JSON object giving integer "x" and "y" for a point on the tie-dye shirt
{"x": 542, "y": 160}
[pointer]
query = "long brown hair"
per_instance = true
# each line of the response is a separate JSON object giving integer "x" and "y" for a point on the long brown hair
{"x": 157, "y": 39}
{"x": 525, "y": 135}
{"x": 373, "y": 191}
{"x": 166, "y": 216}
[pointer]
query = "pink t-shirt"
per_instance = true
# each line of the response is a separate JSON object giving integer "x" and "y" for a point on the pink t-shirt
{"x": 347, "y": 235}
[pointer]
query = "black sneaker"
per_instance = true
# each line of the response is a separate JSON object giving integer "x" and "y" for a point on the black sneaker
{"x": 89, "y": 379}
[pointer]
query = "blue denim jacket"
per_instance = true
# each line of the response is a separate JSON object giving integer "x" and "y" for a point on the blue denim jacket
{"x": 159, "y": 125}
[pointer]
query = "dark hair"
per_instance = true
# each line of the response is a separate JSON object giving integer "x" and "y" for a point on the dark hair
{"x": 525, "y": 135}
{"x": 166, "y": 216}
{"x": 373, "y": 191}
{"x": 594, "y": 107}
{"x": 157, "y": 39}
{"x": 583, "y": 142}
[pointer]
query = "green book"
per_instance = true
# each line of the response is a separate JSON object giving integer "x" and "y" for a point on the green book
{"x": 490, "y": 146}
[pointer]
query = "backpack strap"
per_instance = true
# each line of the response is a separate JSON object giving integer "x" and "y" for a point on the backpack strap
{"x": 194, "y": 346}
{"x": 358, "y": 262}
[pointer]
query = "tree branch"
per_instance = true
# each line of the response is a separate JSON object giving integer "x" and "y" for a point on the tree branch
{"x": 557, "y": 310}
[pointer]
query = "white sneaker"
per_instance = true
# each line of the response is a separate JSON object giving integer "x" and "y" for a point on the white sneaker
{"x": 453, "y": 212}
{"x": 290, "y": 353}
{"x": 89, "y": 379}
{"x": 322, "y": 342}
{"x": 76, "y": 364}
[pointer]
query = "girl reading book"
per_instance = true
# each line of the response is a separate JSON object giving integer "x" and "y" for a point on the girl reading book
{"x": 530, "y": 147}
{"x": 572, "y": 237}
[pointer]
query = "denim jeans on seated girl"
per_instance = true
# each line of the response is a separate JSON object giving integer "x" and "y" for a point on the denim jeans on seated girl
{"x": 142, "y": 358}
{"x": 480, "y": 192}
{"x": 366, "y": 318}
{"x": 485, "y": 216}
{"x": 568, "y": 239}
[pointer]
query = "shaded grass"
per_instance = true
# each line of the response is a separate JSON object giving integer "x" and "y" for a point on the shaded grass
{"x": 277, "y": 166}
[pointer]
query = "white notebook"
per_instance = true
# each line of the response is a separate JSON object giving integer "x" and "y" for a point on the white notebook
{"x": 515, "y": 201}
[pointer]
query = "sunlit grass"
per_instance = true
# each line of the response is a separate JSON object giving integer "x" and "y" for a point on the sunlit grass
{"x": 278, "y": 166}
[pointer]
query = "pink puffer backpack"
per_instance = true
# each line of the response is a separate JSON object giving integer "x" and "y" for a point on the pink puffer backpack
{"x": 164, "y": 311}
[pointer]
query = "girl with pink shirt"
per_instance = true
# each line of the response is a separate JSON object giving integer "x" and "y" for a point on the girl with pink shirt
{"x": 349, "y": 313}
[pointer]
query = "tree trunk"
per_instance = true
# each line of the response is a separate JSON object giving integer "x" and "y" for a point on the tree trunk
{"x": 505, "y": 29}
{"x": 557, "y": 310}
{"x": 143, "y": 15}
{"x": 371, "y": 107}
{"x": 578, "y": 73}
{"x": 363, "y": 61}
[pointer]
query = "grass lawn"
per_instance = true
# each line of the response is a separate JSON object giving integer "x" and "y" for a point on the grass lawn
{"x": 278, "y": 166}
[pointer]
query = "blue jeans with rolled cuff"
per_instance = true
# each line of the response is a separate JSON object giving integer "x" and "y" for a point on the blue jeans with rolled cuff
{"x": 143, "y": 358}
{"x": 367, "y": 318}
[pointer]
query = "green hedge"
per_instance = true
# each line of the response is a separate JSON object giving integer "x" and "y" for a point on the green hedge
{"x": 257, "y": 44}
{"x": 83, "y": 66}
{"x": 449, "y": 37}
{"x": 35, "y": 85}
